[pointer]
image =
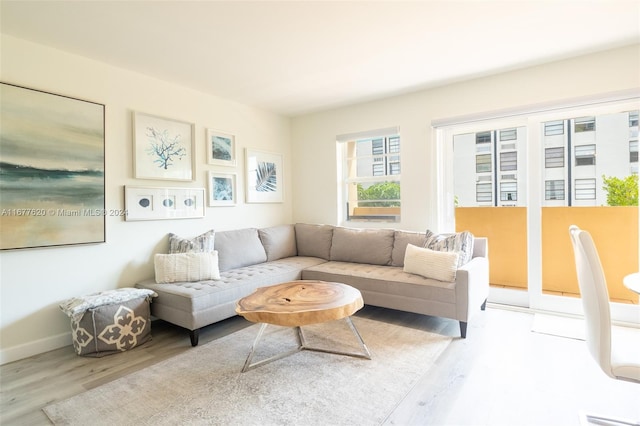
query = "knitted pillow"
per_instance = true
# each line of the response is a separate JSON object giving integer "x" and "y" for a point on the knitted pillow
{"x": 186, "y": 267}
{"x": 437, "y": 265}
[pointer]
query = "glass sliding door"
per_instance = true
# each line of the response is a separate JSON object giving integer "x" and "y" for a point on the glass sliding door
{"x": 523, "y": 181}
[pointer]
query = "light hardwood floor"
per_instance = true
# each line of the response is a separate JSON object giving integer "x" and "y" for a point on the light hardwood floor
{"x": 502, "y": 374}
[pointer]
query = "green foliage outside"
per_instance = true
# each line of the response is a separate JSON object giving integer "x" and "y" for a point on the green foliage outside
{"x": 380, "y": 191}
{"x": 621, "y": 192}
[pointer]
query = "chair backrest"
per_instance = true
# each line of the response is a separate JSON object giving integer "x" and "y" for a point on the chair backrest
{"x": 595, "y": 297}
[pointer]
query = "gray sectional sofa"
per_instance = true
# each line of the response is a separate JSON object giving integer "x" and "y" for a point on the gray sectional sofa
{"x": 371, "y": 260}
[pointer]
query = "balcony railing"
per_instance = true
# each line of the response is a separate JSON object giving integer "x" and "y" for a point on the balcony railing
{"x": 614, "y": 230}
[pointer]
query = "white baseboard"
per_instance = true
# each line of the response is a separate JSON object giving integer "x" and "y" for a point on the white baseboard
{"x": 34, "y": 348}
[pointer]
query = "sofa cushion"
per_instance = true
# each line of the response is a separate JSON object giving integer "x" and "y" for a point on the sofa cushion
{"x": 461, "y": 243}
{"x": 190, "y": 267}
{"x": 238, "y": 248}
{"x": 278, "y": 241}
{"x": 201, "y": 243}
{"x": 314, "y": 240}
{"x": 400, "y": 241}
{"x": 371, "y": 246}
{"x": 438, "y": 265}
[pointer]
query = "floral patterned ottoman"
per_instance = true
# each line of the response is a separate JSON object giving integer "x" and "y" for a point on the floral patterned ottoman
{"x": 110, "y": 321}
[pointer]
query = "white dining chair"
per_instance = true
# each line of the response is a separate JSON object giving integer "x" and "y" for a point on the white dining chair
{"x": 615, "y": 357}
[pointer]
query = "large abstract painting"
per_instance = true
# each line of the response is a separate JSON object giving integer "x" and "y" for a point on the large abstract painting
{"x": 51, "y": 169}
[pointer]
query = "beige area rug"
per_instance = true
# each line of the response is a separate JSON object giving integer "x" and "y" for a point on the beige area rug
{"x": 205, "y": 386}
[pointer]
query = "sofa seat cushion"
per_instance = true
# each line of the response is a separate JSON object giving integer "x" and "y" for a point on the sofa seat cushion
{"x": 232, "y": 285}
{"x": 383, "y": 279}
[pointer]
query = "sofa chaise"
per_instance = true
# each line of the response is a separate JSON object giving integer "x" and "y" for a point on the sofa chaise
{"x": 371, "y": 260}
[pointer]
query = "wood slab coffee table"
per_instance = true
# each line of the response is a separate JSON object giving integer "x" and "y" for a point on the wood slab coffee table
{"x": 299, "y": 303}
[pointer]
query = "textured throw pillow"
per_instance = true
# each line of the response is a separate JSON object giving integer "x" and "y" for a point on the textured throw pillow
{"x": 189, "y": 267}
{"x": 461, "y": 243}
{"x": 200, "y": 244}
{"x": 438, "y": 265}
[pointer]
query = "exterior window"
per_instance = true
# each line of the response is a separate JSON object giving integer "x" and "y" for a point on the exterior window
{"x": 633, "y": 151}
{"x": 372, "y": 178}
{"x": 554, "y": 157}
{"x": 633, "y": 119}
{"x": 585, "y": 155}
{"x": 508, "y": 135}
{"x": 484, "y": 192}
{"x": 585, "y": 124}
{"x": 483, "y": 163}
{"x": 585, "y": 189}
{"x": 554, "y": 190}
{"x": 552, "y": 128}
{"x": 508, "y": 161}
{"x": 483, "y": 137}
{"x": 508, "y": 191}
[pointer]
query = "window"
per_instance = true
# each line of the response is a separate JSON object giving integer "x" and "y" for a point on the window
{"x": 508, "y": 191}
{"x": 483, "y": 163}
{"x": 371, "y": 176}
{"x": 585, "y": 155}
{"x": 585, "y": 189}
{"x": 483, "y": 137}
{"x": 508, "y": 161}
{"x": 633, "y": 151}
{"x": 554, "y": 157}
{"x": 585, "y": 124}
{"x": 552, "y": 128}
{"x": 508, "y": 135}
{"x": 554, "y": 190}
{"x": 484, "y": 193}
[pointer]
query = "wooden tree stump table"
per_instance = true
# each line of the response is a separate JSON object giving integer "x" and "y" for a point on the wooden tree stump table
{"x": 299, "y": 303}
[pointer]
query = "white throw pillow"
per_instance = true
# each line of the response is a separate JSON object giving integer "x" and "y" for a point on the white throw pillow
{"x": 180, "y": 267}
{"x": 438, "y": 265}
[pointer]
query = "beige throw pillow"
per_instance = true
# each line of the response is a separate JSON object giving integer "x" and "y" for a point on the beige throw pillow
{"x": 189, "y": 267}
{"x": 438, "y": 265}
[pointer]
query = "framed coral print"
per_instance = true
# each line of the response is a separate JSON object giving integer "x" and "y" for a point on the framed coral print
{"x": 221, "y": 148}
{"x": 163, "y": 148}
{"x": 265, "y": 178}
{"x": 154, "y": 203}
{"x": 52, "y": 169}
{"x": 222, "y": 189}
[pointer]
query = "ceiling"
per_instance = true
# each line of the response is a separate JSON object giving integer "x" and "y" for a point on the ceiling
{"x": 296, "y": 57}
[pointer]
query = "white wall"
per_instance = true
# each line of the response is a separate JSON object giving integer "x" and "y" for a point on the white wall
{"x": 35, "y": 281}
{"x": 313, "y": 136}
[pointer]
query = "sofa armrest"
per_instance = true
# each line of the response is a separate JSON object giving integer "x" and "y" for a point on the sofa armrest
{"x": 472, "y": 287}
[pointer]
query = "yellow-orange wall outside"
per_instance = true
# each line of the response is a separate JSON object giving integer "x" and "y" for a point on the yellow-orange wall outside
{"x": 614, "y": 231}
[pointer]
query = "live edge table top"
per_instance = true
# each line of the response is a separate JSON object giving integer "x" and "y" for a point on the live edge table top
{"x": 298, "y": 303}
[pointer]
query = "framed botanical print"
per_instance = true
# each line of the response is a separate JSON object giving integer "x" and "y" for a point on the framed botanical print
{"x": 222, "y": 189}
{"x": 163, "y": 148}
{"x": 221, "y": 148}
{"x": 264, "y": 177}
